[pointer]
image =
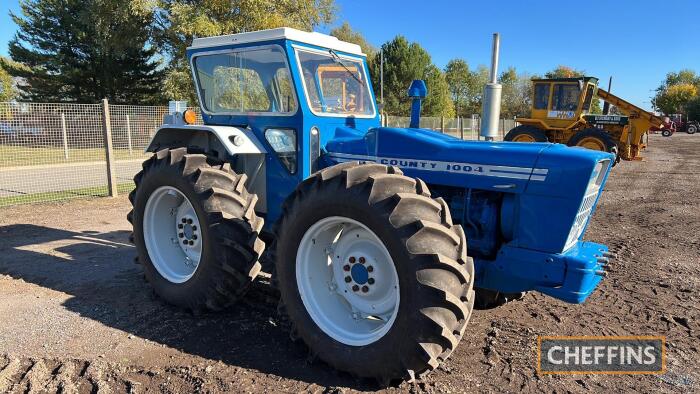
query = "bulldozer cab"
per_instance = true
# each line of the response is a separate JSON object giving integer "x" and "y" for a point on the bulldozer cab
{"x": 561, "y": 101}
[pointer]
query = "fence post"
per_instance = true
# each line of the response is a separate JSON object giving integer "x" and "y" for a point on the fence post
{"x": 65, "y": 135}
{"x": 128, "y": 134}
{"x": 461, "y": 128}
{"x": 442, "y": 124}
{"x": 109, "y": 153}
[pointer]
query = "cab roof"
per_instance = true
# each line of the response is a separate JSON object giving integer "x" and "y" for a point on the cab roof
{"x": 282, "y": 33}
{"x": 585, "y": 79}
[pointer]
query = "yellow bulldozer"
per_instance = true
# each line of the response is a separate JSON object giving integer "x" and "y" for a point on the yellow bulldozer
{"x": 560, "y": 113}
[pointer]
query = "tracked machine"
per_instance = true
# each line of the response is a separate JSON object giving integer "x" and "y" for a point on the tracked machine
{"x": 378, "y": 239}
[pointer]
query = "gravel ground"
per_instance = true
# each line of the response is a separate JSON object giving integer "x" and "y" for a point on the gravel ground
{"x": 77, "y": 315}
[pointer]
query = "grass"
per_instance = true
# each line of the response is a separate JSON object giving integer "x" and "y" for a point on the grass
{"x": 96, "y": 191}
{"x": 15, "y": 156}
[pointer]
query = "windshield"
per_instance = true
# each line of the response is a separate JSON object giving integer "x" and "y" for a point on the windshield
{"x": 335, "y": 85}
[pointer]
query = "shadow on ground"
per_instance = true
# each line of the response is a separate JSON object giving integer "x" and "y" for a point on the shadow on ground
{"x": 99, "y": 271}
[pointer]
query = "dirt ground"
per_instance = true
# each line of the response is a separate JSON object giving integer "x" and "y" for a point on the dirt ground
{"x": 77, "y": 316}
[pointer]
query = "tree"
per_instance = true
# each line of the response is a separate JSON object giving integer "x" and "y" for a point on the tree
{"x": 438, "y": 102}
{"x": 675, "y": 98}
{"x": 694, "y": 109}
{"x": 7, "y": 89}
{"x": 677, "y": 91}
{"x": 458, "y": 78}
{"x": 179, "y": 21}
{"x": 83, "y": 51}
{"x": 516, "y": 96}
{"x": 403, "y": 62}
{"x": 346, "y": 33}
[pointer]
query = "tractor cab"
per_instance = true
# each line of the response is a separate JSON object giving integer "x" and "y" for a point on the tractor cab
{"x": 562, "y": 101}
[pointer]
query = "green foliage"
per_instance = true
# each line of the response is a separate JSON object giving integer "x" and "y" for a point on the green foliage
{"x": 83, "y": 51}
{"x": 179, "y": 21}
{"x": 403, "y": 62}
{"x": 438, "y": 102}
{"x": 694, "y": 108}
{"x": 466, "y": 86}
{"x": 677, "y": 92}
{"x": 7, "y": 89}
{"x": 347, "y": 34}
{"x": 516, "y": 96}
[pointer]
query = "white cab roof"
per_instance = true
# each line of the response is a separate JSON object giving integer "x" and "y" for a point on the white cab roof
{"x": 314, "y": 38}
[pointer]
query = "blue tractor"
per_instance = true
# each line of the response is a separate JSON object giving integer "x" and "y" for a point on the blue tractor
{"x": 379, "y": 239}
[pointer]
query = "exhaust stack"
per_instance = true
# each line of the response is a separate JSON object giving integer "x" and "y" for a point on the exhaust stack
{"x": 491, "y": 107}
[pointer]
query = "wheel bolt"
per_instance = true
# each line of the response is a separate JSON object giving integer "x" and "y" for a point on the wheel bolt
{"x": 180, "y": 225}
{"x": 365, "y": 289}
{"x": 191, "y": 243}
{"x": 184, "y": 220}
{"x": 194, "y": 236}
{"x": 181, "y": 235}
{"x": 352, "y": 259}
{"x": 355, "y": 287}
{"x": 348, "y": 279}
{"x": 370, "y": 268}
{"x": 370, "y": 281}
{"x": 194, "y": 228}
{"x": 189, "y": 221}
{"x": 362, "y": 260}
{"x": 184, "y": 242}
{"x": 346, "y": 267}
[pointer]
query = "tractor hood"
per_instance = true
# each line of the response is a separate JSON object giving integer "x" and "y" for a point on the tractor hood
{"x": 443, "y": 159}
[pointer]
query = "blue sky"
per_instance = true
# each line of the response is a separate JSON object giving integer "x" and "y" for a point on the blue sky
{"x": 637, "y": 42}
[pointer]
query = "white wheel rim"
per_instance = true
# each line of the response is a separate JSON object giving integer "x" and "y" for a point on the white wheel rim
{"x": 172, "y": 234}
{"x": 358, "y": 311}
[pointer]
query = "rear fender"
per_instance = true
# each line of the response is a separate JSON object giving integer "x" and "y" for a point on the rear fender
{"x": 235, "y": 145}
{"x": 225, "y": 140}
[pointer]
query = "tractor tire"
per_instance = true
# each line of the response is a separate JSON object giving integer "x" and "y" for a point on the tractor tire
{"x": 692, "y": 128}
{"x": 595, "y": 139}
{"x": 666, "y": 133}
{"x": 526, "y": 133}
{"x": 406, "y": 252}
{"x": 195, "y": 230}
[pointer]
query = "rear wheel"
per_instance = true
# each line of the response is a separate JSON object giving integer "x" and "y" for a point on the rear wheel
{"x": 526, "y": 133}
{"x": 373, "y": 275}
{"x": 692, "y": 128}
{"x": 195, "y": 230}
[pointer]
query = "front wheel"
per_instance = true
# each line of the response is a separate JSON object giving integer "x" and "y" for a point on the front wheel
{"x": 692, "y": 128}
{"x": 372, "y": 273}
{"x": 526, "y": 133}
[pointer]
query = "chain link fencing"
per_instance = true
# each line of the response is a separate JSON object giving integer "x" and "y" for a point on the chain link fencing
{"x": 51, "y": 152}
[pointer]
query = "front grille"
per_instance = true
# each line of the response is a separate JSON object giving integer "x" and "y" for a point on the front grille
{"x": 587, "y": 205}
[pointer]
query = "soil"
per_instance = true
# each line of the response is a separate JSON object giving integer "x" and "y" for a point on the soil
{"x": 77, "y": 316}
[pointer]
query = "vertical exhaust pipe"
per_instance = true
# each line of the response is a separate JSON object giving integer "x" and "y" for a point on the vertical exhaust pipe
{"x": 491, "y": 106}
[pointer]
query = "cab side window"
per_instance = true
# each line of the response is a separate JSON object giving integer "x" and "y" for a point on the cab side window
{"x": 541, "y": 100}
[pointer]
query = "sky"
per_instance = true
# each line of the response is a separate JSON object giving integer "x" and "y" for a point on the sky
{"x": 635, "y": 42}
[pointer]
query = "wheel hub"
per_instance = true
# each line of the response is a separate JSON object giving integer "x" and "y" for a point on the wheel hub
{"x": 347, "y": 281}
{"x": 170, "y": 220}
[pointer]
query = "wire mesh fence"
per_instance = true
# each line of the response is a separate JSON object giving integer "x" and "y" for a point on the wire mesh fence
{"x": 53, "y": 152}
{"x": 464, "y": 128}
{"x": 57, "y": 151}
